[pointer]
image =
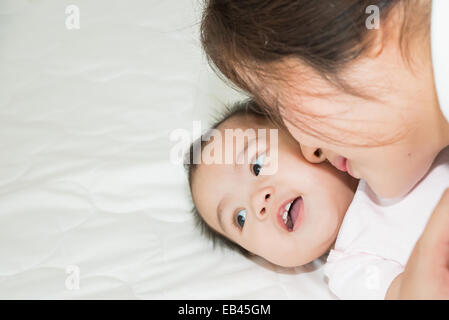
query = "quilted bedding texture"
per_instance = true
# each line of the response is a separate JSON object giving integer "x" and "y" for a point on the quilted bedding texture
{"x": 91, "y": 207}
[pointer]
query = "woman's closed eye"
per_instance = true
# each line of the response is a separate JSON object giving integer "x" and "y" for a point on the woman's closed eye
{"x": 240, "y": 218}
{"x": 256, "y": 167}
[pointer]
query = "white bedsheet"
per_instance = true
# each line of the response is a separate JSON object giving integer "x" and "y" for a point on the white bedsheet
{"x": 87, "y": 190}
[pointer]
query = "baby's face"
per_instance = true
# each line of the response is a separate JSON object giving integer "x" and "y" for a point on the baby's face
{"x": 246, "y": 206}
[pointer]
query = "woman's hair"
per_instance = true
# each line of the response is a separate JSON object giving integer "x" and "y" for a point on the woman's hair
{"x": 242, "y": 108}
{"x": 255, "y": 36}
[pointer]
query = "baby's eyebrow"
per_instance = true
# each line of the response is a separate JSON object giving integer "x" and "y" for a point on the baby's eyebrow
{"x": 246, "y": 144}
{"x": 220, "y": 215}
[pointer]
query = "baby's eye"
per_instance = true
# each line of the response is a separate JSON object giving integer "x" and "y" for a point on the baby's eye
{"x": 240, "y": 218}
{"x": 258, "y": 164}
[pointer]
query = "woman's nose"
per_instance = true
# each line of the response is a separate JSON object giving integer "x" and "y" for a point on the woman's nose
{"x": 313, "y": 154}
{"x": 261, "y": 201}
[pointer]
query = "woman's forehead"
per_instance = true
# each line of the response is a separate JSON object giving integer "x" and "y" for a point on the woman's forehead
{"x": 290, "y": 81}
{"x": 340, "y": 119}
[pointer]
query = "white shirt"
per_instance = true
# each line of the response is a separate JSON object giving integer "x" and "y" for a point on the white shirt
{"x": 440, "y": 52}
{"x": 377, "y": 236}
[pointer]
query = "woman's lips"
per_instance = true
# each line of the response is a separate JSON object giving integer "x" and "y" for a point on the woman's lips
{"x": 340, "y": 163}
{"x": 343, "y": 164}
{"x": 348, "y": 167}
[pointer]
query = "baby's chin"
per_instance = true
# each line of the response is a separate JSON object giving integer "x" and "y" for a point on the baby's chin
{"x": 304, "y": 255}
{"x": 298, "y": 261}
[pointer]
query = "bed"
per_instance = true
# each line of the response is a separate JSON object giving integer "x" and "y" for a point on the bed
{"x": 91, "y": 205}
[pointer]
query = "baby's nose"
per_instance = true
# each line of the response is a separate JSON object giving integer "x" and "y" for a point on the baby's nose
{"x": 261, "y": 200}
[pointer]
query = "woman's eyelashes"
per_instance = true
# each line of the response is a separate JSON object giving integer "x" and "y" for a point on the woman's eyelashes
{"x": 256, "y": 167}
{"x": 240, "y": 218}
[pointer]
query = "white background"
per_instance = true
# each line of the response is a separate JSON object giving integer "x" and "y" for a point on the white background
{"x": 85, "y": 176}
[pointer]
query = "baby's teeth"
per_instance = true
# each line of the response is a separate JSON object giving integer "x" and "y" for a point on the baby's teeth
{"x": 287, "y": 207}
{"x": 284, "y": 216}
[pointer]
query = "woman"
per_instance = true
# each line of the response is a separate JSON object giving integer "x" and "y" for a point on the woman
{"x": 372, "y": 101}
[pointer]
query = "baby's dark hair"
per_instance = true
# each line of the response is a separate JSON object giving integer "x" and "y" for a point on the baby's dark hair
{"x": 243, "y": 108}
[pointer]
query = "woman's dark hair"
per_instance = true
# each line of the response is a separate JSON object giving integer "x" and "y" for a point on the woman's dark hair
{"x": 242, "y": 108}
{"x": 253, "y": 43}
{"x": 254, "y": 37}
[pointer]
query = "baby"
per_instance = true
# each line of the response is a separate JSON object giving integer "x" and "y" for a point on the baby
{"x": 300, "y": 211}
{"x": 290, "y": 217}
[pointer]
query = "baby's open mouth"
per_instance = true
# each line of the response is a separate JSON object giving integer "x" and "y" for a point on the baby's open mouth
{"x": 290, "y": 213}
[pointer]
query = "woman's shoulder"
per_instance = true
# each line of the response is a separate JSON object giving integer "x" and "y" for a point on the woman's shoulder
{"x": 440, "y": 52}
